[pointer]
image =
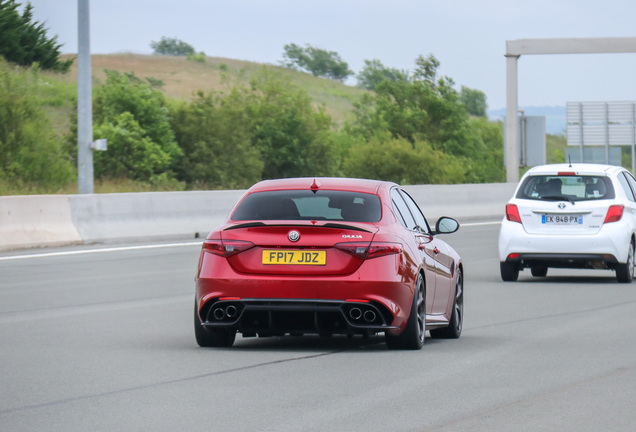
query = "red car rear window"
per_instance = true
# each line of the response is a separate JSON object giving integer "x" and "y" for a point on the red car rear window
{"x": 309, "y": 205}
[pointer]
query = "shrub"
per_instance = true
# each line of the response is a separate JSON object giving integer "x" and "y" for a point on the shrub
{"x": 30, "y": 154}
{"x": 397, "y": 160}
{"x": 147, "y": 119}
{"x": 199, "y": 58}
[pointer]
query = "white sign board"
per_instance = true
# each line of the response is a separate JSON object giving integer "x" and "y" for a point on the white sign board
{"x": 601, "y": 123}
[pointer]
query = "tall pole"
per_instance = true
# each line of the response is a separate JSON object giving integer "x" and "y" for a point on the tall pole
{"x": 512, "y": 129}
{"x": 84, "y": 102}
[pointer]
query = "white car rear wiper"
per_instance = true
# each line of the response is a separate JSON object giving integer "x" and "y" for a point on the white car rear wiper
{"x": 558, "y": 198}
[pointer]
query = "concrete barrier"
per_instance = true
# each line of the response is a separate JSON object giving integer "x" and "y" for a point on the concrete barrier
{"x": 36, "y": 221}
{"x": 57, "y": 220}
{"x": 150, "y": 215}
{"x": 466, "y": 203}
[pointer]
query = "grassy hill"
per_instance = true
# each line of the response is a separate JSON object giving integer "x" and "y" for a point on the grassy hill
{"x": 183, "y": 78}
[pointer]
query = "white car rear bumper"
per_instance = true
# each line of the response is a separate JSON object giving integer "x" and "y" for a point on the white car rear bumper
{"x": 612, "y": 239}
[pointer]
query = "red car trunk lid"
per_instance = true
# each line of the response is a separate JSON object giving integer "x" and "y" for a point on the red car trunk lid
{"x": 298, "y": 249}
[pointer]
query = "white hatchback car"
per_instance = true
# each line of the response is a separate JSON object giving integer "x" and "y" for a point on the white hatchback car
{"x": 570, "y": 216}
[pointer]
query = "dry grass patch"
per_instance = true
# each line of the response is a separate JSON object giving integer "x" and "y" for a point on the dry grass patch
{"x": 183, "y": 78}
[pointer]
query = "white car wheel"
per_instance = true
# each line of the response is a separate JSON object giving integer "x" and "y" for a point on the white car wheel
{"x": 625, "y": 272}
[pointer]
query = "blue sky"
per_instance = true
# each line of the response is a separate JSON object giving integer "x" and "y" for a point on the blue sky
{"x": 467, "y": 36}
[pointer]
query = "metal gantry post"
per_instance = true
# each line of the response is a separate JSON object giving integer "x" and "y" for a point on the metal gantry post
{"x": 512, "y": 131}
{"x": 84, "y": 102}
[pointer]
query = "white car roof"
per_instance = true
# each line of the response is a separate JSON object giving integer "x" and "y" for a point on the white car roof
{"x": 578, "y": 168}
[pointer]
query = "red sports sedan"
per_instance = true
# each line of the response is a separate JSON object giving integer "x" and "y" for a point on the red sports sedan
{"x": 328, "y": 256}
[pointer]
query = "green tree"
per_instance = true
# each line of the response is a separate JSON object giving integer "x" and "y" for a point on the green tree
{"x": 374, "y": 72}
{"x": 427, "y": 109}
{"x": 214, "y": 132}
{"x": 172, "y": 46}
{"x": 293, "y": 137}
{"x": 30, "y": 153}
{"x": 147, "y": 121}
{"x": 267, "y": 130}
{"x": 318, "y": 62}
{"x": 426, "y": 69}
{"x": 474, "y": 101}
{"x": 24, "y": 41}
{"x": 485, "y": 165}
{"x": 417, "y": 111}
{"x": 131, "y": 152}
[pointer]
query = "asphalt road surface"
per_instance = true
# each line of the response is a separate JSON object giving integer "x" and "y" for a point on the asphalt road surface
{"x": 103, "y": 341}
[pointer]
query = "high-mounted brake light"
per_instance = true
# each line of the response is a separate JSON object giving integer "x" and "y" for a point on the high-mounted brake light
{"x": 367, "y": 251}
{"x": 512, "y": 213}
{"x": 226, "y": 248}
{"x": 566, "y": 173}
{"x": 614, "y": 213}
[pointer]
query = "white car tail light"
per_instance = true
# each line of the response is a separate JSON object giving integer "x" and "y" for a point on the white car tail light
{"x": 614, "y": 213}
{"x": 512, "y": 213}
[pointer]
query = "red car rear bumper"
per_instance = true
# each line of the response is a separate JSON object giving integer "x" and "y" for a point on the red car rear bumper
{"x": 281, "y": 302}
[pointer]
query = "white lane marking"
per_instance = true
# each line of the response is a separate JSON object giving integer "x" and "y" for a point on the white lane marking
{"x": 157, "y": 246}
{"x": 88, "y": 251}
{"x": 480, "y": 223}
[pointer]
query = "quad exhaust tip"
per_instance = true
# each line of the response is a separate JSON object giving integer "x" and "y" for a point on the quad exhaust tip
{"x": 357, "y": 314}
{"x": 228, "y": 312}
{"x": 231, "y": 311}
{"x": 369, "y": 316}
{"x": 219, "y": 314}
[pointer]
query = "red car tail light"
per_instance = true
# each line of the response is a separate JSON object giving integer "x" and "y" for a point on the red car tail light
{"x": 614, "y": 213}
{"x": 370, "y": 250}
{"x": 226, "y": 248}
{"x": 512, "y": 213}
